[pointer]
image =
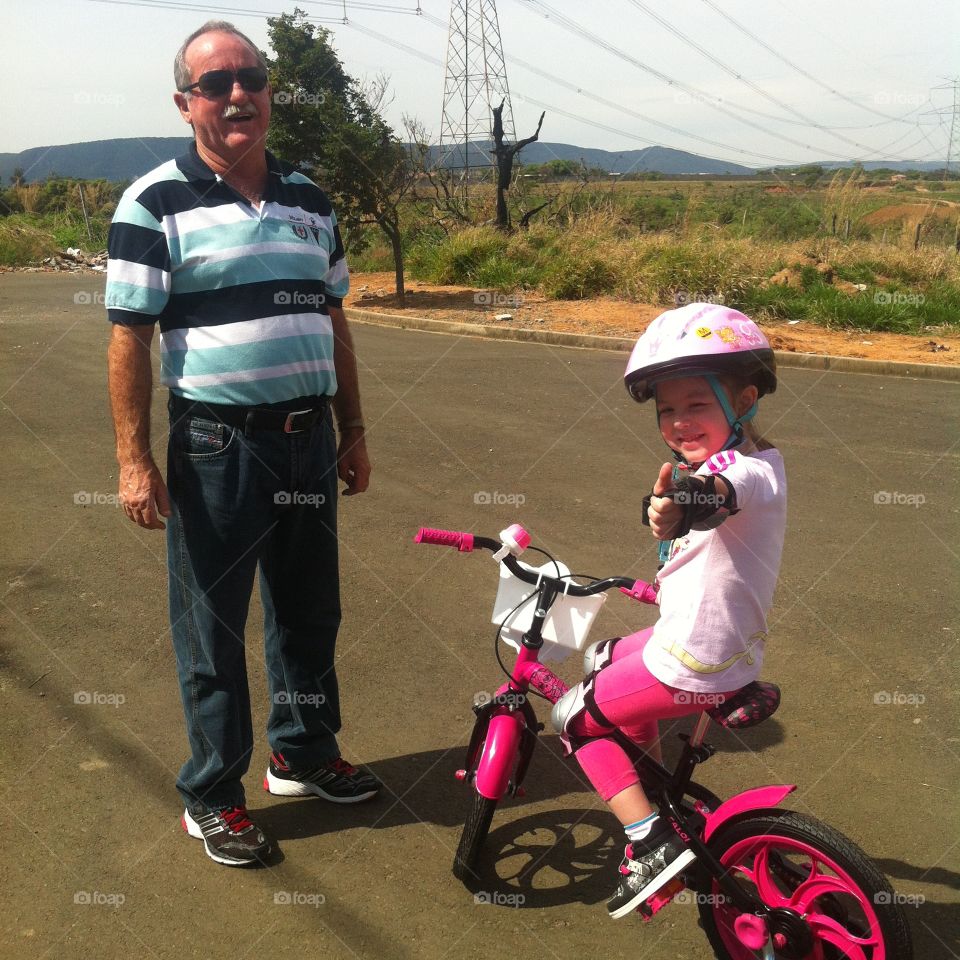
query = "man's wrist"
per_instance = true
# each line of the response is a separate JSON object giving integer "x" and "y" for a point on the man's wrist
{"x": 351, "y": 424}
{"x": 135, "y": 460}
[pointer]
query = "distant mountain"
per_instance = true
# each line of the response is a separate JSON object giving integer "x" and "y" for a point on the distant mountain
{"x": 660, "y": 159}
{"x": 129, "y": 158}
{"x": 96, "y": 160}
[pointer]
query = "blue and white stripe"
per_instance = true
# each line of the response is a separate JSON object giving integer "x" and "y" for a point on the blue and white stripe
{"x": 241, "y": 294}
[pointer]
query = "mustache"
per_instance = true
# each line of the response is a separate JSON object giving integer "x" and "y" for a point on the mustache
{"x": 231, "y": 110}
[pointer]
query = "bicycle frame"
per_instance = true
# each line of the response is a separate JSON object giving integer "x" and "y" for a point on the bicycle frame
{"x": 508, "y": 727}
{"x": 505, "y": 734}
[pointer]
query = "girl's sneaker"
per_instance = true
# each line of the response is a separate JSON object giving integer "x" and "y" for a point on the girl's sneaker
{"x": 648, "y": 865}
{"x": 229, "y": 836}
{"x": 336, "y": 781}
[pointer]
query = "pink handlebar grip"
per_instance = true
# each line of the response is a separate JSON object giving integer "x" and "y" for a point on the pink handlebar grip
{"x": 445, "y": 538}
{"x": 642, "y": 591}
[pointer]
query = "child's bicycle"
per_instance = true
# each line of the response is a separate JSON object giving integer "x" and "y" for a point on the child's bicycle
{"x": 769, "y": 883}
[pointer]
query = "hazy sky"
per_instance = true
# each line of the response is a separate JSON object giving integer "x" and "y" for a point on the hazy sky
{"x": 89, "y": 70}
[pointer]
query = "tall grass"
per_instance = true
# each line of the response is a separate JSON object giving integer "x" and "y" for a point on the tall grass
{"x": 593, "y": 256}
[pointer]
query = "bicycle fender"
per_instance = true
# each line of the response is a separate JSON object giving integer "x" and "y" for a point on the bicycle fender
{"x": 759, "y": 798}
{"x": 499, "y": 755}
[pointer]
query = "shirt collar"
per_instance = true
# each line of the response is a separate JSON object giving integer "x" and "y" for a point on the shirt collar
{"x": 194, "y": 167}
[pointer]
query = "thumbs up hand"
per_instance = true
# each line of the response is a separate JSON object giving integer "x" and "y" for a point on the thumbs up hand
{"x": 664, "y": 514}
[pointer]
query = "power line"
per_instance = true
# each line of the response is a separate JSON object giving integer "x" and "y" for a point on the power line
{"x": 413, "y": 51}
{"x": 756, "y": 88}
{"x": 593, "y": 96}
{"x": 572, "y": 26}
{"x": 804, "y": 73}
{"x": 591, "y": 122}
{"x": 205, "y": 8}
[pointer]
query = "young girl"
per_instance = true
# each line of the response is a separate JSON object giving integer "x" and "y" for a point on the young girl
{"x": 720, "y": 517}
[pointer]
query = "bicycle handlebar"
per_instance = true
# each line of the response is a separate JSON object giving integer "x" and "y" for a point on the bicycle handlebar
{"x": 638, "y": 590}
{"x": 445, "y": 538}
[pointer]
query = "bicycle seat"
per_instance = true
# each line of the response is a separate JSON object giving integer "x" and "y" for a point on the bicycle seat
{"x": 749, "y": 706}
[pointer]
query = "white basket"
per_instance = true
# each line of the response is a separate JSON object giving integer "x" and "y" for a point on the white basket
{"x": 567, "y": 624}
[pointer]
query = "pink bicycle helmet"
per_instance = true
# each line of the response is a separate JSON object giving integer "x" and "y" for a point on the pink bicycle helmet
{"x": 700, "y": 340}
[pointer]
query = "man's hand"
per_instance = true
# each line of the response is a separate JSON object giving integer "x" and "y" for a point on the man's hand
{"x": 143, "y": 494}
{"x": 665, "y": 515}
{"x": 353, "y": 464}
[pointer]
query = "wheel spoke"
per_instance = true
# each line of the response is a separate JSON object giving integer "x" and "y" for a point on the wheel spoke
{"x": 767, "y": 887}
{"x": 802, "y": 899}
{"x": 840, "y": 940}
{"x": 832, "y": 931}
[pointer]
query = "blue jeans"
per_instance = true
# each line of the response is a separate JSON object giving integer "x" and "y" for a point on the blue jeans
{"x": 241, "y": 501}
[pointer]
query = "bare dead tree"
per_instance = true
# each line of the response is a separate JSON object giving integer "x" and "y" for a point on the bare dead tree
{"x": 526, "y": 218}
{"x": 505, "y": 154}
{"x": 434, "y": 192}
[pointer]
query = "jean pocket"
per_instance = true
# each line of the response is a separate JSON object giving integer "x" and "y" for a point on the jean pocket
{"x": 199, "y": 439}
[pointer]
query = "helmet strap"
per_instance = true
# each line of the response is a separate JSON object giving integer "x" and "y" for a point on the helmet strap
{"x": 733, "y": 421}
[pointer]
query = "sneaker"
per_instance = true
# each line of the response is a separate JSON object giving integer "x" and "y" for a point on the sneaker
{"x": 229, "y": 836}
{"x": 647, "y": 866}
{"x": 336, "y": 781}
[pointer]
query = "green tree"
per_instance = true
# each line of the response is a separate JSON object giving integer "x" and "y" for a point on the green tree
{"x": 330, "y": 126}
{"x": 810, "y": 173}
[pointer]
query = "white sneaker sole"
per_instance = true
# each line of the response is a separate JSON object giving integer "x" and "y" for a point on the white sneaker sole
{"x": 193, "y": 829}
{"x": 684, "y": 860}
{"x": 297, "y": 788}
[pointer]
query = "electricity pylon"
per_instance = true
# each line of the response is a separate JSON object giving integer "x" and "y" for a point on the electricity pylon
{"x": 475, "y": 81}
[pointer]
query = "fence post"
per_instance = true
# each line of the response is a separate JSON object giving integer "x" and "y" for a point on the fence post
{"x": 83, "y": 207}
{"x": 833, "y": 228}
{"x": 916, "y": 238}
{"x": 846, "y": 229}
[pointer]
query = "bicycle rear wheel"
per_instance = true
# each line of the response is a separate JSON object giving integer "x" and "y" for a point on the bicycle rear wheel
{"x": 790, "y": 861}
{"x": 475, "y": 830}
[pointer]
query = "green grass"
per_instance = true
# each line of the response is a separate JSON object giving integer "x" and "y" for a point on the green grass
{"x": 906, "y": 291}
{"x": 27, "y": 238}
{"x": 890, "y": 310}
{"x": 23, "y": 242}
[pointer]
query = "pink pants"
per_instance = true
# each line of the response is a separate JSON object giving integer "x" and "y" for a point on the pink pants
{"x": 633, "y": 700}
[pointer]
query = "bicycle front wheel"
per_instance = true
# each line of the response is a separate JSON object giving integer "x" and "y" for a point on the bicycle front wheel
{"x": 475, "y": 831}
{"x": 844, "y": 907}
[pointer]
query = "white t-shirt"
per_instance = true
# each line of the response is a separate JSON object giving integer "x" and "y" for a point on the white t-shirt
{"x": 717, "y": 586}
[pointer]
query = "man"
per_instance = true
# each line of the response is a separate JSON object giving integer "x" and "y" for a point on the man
{"x": 239, "y": 259}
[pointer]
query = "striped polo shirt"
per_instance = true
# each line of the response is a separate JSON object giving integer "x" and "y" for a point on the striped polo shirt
{"x": 241, "y": 293}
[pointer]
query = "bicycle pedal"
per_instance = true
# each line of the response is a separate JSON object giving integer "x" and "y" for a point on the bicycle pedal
{"x": 660, "y": 899}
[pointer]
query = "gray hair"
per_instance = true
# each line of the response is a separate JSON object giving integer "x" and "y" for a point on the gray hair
{"x": 181, "y": 72}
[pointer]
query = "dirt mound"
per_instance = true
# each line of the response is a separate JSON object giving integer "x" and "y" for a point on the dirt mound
{"x": 908, "y": 211}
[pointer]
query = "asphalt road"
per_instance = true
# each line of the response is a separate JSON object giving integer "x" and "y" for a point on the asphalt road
{"x": 470, "y": 434}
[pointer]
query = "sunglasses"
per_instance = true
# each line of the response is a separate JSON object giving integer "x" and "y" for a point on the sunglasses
{"x": 218, "y": 83}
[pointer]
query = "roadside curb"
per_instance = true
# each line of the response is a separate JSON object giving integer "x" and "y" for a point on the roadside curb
{"x": 785, "y": 358}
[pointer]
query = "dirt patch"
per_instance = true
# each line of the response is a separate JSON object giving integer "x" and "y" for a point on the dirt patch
{"x": 619, "y": 318}
{"x": 909, "y": 211}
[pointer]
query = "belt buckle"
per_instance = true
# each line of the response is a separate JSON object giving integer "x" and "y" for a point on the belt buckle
{"x": 288, "y": 426}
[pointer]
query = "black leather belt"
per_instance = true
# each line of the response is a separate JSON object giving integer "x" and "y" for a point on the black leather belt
{"x": 293, "y": 417}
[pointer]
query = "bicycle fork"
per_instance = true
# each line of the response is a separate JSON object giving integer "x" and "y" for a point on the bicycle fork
{"x": 506, "y": 730}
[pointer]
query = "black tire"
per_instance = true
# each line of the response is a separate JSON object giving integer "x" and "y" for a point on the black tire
{"x": 475, "y": 831}
{"x": 871, "y": 892}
